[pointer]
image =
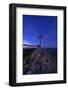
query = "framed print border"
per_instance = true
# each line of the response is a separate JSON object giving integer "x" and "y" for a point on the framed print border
{"x": 12, "y": 43}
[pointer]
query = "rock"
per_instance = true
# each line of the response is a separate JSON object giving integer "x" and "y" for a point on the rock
{"x": 41, "y": 61}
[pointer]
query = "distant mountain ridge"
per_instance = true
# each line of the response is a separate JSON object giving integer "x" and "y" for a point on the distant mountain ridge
{"x": 25, "y": 46}
{"x": 29, "y": 46}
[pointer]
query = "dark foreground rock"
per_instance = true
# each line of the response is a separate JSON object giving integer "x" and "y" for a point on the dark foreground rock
{"x": 40, "y": 61}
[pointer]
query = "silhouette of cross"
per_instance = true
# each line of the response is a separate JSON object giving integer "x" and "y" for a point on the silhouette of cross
{"x": 40, "y": 38}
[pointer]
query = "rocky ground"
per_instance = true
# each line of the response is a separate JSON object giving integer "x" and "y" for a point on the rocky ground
{"x": 40, "y": 61}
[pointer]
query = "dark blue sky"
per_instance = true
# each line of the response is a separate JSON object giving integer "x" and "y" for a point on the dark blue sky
{"x": 34, "y": 26}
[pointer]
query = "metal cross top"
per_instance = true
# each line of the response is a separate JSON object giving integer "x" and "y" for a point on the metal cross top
{"x": 40, "y": 38}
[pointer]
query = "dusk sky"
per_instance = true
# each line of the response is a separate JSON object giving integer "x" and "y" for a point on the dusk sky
{"x": 46, "y": 26}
